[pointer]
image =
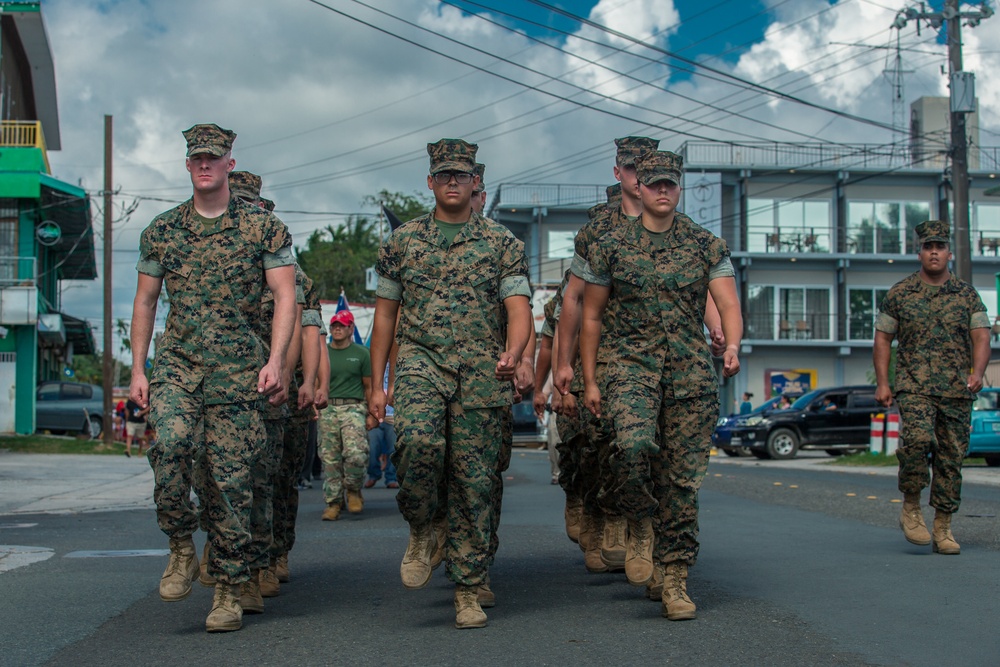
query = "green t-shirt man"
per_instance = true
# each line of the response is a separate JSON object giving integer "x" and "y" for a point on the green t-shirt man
{"x": 347, "y": 368}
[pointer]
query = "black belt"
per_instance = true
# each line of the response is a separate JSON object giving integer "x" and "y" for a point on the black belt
{"x": 345, "y": 401}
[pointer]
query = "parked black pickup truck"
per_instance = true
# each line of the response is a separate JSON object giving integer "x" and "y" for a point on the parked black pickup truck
{"x": 837, "y": 419}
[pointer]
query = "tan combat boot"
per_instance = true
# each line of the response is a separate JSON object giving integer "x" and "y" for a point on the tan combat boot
{"x": 586, "y": 528}
{"x": 415, "y": 570}
{"x": 654, "y": 587}
{"x": 332, "y": 512}
{"x": 281, "y": 568}
{"x": 182, "y": 568}
{"x": 677, "y": 606}
{"x": 573, "y": 514}
{"x": 441, "y": 540}
{"x": 270, "y": 587}
{"x": 485, "y": 595}
{"x": 355, "y": 503}
{"x": 911, "y": 520}
{"x": 944, "y": 541}
{"x": 226, "y": 614}
{"x": 639, "y": 555}
{"x": 468, "y": 613}
{"x": 251, "y": 601}
{"x": 592, "y": 556}
{"x": 614, "y": 547}
{"x": 204, "y": 578}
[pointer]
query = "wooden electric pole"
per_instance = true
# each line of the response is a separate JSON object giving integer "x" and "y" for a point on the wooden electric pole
{"x": 109, "y": 362}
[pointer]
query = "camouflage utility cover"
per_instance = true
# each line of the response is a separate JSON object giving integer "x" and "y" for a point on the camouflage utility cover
{"x": 209, "y": 138}
{"x": 452, "y": 155}
{"x": 451, "y": 329}
{"x": 657, "y": 166}
{"x": 630, "y": 148}
{"x": 932, "y": 325}
{"x": 659, "y": 296}
{"x": 245, "y": 185}
{"x": 215, "y": 281}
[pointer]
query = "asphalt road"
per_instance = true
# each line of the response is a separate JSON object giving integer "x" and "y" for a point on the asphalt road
{"x": 800, "y": 565}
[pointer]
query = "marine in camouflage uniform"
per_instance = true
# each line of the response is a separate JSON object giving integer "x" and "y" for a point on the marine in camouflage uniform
{"x": 211, "y": 370}
{"x": 452, "y": 379}
{"x": 944, "y": 348}
{"x": 600, "y": 513}
{"x": 246, "y": 186}
{"x": 661, "y": 384}
{"x": 302, "y": 410}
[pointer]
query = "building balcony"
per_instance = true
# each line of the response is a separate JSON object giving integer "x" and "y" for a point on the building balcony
{"x": 24, "y": 134}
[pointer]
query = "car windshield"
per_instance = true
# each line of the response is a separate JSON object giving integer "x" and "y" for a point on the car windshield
{"x": 986, "y": 400}
{"x": 766, "y": 405}
{"x": 805, "y": 399}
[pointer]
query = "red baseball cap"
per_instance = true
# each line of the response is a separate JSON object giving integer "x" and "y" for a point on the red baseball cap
{"x": 343, "y": 318}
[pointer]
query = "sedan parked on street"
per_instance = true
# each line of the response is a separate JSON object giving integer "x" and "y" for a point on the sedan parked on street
{"x": 69, "y": 407}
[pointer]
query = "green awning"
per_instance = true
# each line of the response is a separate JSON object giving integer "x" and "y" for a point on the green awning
{"x": 69, "y": 207}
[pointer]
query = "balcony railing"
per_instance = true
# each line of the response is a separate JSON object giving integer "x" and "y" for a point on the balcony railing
{"x": 18, "y": 271}
{"x": 541, "y": 195}
{"x": 24, "y": 134}
{"x": 824, "y": 156}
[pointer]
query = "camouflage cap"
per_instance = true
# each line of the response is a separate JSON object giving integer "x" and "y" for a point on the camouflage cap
{"x": 268, "y": 204}
{"x": 614, "y": 193}
{"x": 209, "y": 138}
{"x": 480, "y": 171}
{"x": 452, "y": 155}
{"x": 934, "y": 230}
{"x": 630, "y": 148}
{"x": 659, "y": 166}
{"x": 245, "y": 185}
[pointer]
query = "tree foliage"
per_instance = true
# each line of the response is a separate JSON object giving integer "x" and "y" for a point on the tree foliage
{"x": 336, "y": 257}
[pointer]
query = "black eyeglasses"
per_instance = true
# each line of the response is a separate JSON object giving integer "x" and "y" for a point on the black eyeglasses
{"x": 444, "y": 177}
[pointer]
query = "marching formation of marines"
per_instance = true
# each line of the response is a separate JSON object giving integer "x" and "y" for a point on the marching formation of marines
{"x": 643, "y": 325}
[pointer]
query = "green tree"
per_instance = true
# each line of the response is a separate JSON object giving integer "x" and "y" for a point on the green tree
{"x": 337, "y": 257}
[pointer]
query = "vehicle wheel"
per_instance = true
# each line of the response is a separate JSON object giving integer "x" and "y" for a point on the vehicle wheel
{"x": 782, "y": 444}
{"x": 992, "y": 460}
{"x": 760, "y": 453}
{"x": 836, "y": 452}
{"x": 94, "y": 427}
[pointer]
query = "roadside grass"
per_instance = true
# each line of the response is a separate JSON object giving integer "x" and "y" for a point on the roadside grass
{"x": 54, "y": 444}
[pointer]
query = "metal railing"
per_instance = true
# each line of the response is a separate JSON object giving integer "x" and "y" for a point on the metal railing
{"x": 18, "y": 271}
{"x": 541, "y": 195}
{"x": 827, "y": 156}
{"x": 24, "y": 134}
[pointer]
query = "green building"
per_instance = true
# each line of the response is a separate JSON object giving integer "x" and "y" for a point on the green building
{"x": 46, "y": 234}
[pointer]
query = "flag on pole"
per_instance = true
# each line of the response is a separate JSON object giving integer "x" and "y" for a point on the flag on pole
{"x": 394, "y": 221}
{"x": 342, "y": 305}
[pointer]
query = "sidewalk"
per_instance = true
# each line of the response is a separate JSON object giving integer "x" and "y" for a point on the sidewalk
{"x": 73, "y": 483}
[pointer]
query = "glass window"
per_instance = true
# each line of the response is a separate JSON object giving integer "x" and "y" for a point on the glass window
{"x": 862, "y": 307}
{"x": 48, "y": 392}
{"x": 884, "y": 227}
{"x": 985, "y": 237}
{"x": 75, "y": 392}
{"x": 788, "y": 313}
{"x": 560, "y": 244}
{"x": 788, "y": 226}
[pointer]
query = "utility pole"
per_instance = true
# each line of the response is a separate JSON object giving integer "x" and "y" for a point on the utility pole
{"x": 963, "y": 101}
{"x": 108, "y": 380}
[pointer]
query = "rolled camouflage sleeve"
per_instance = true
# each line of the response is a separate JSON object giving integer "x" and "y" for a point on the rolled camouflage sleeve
{"x": 887, "y": 320}
{"x": 722, "y": 269}
{"x": 282, "y": 257}
{"x": 598, "y": 270}
{"x": 312, "y": 318}
{"x": 390, "y": 285}
{"x": 514, "y": 271}
{"x": 149, "y": 261}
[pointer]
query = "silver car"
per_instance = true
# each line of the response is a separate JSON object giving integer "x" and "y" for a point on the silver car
{"x": 69, "y": 407}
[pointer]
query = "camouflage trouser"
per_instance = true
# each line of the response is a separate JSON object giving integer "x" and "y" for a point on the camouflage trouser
{"x": 343, "y": 449}
{"x": 570, "y": 449}
{"x": 658, "y": 461}
{"x": 935, "y": 434}
{"x": 229, "y": 439}
{"x": 438, "y": 439}
{"x": 286, "y": 484}
{"x": 496, "y": 495}
{"x": 595, "y": 450}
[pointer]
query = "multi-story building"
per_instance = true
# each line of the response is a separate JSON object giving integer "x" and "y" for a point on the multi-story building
{"x": 818, "y": 234}
{"x": 45, "y": 224}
